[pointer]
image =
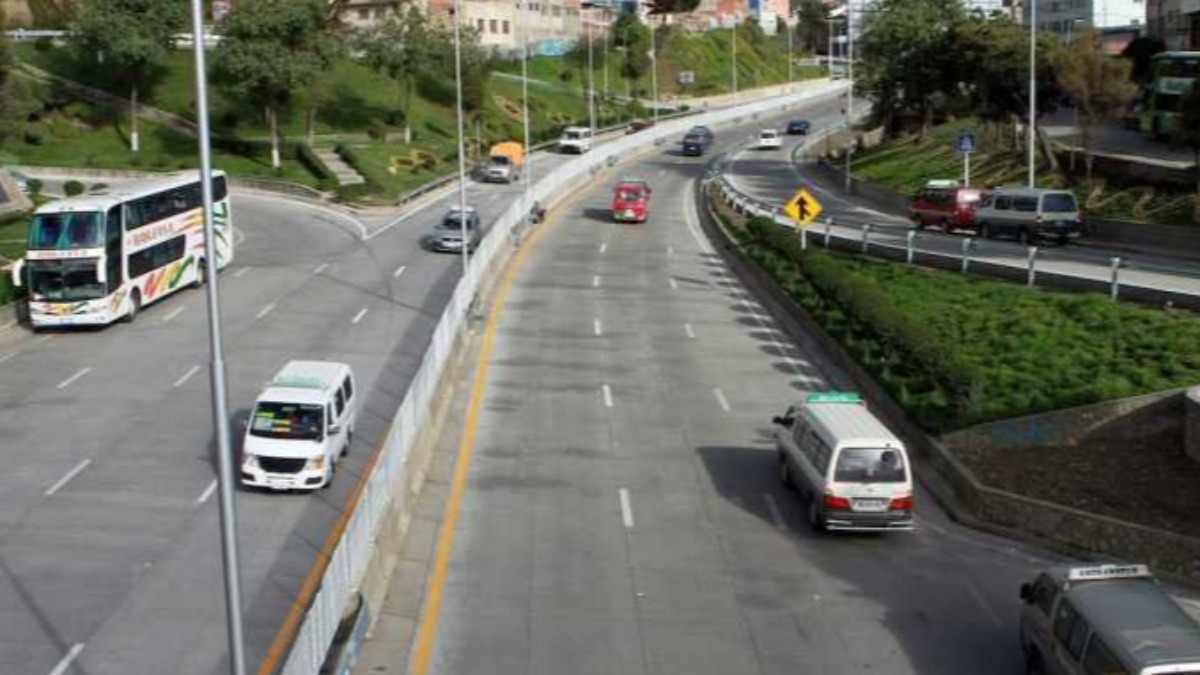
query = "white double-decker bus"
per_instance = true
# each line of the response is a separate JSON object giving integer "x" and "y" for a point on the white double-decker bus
{"x": 97, "y": 258}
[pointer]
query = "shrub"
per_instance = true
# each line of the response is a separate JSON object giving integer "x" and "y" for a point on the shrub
{"x": 72, "y": 188}
{"x": 35, "y": 186}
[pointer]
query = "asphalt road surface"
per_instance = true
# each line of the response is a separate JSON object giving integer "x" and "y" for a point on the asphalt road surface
{"x": 622, "y": 510}
{"x": 773, "y": 176}
{"x": 109, "y": 550}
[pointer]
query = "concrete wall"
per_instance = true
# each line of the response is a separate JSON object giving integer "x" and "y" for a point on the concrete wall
{"x": 12, "y": 200}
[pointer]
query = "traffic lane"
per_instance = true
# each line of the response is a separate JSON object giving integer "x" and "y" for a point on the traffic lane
{"x": 544, "y": 508}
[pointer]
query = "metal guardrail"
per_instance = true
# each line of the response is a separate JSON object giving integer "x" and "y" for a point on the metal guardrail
{"x": 308, "y": 632}
{"x": 1121, "y": 279}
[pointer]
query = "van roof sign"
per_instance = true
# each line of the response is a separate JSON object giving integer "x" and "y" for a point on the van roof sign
{"x": 1099, "y": 572}
{"x": 294, "y": 381}
{"x": 833, "y": 397}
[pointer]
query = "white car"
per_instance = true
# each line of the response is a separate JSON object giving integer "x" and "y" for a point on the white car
{"x": 769, "y": 139}
{"x": 576, "y": 140}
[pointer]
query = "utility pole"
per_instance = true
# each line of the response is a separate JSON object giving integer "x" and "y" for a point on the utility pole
{"x": 790, "y": 31}
{"x": 462, "y": 159}
{"x": 654, "y": 72}
{"x": 850, "y": 91}
{"x": 1031, "y": 128}
{"x": 733, "y": 49}
{"x": 523, "y": 33}
{"x": 587, "y": 33}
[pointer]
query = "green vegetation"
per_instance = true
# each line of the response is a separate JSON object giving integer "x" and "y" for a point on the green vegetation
{"x": 956, "y": 351}
{"x": 905, "y": 163}
{"x": 14, "y": 232}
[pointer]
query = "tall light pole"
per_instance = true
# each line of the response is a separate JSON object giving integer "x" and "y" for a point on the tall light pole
{"x": 790, "y": 30}
{"x": 733, "y": 51}
{"x": 607, "y": 27}
{"x": 587, "y": 33}
{"x": 1031, "y": 128}
{"x": 850, "y": 91}
{"x": 220, "y": 392}
{"x": 654, "y": 73}
{"x": 522, "y": 31}
{"x": 462, "y": 159}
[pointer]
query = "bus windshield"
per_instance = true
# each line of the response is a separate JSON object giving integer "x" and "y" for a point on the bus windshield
{"x": 65, "y": 280}
{"x": 63, "y": 231}
{"x": 1178, "y": 67}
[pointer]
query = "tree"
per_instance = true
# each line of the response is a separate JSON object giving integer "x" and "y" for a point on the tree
{"x": 398, "y": 48}
{"x": 632, "y": 37}
{"x": 270, "y": 48}
{"x": 1187, "y": 132}
{"x": 905, "y": 55}
{"x": 1140, "y": 51}
{"x": 133, "y": 37}
{"x": 1098, "y": 83}
{"x": 16, "y": 100}
{"x": 812, "y": 25}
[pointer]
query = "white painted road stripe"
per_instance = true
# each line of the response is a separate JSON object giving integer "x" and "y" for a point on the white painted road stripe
{"x": 7, "y": 357}
{"x": 67, "y": 382}
{"x": 238, "y": 274}
{"x": 604, "y": 247}
{"x": 398, "y": 272}
{"x": 691, "y": 217}
{"x": 608, "y": 399}
{"x": 687, "y": 328}
{"x": 186, "y": 376}
{"x": 320, "y": 268}
{"x": 596, "y": 282}
{"x": 626, "y": 509}
{"x": 776, "y": 515}
{"x": 597, "y": 327}
{"x": 670, "y": 251}
{"x": 70, "y": 474}
{"x": 208, "y": 491}
{"x": 721, "y": 399}
{"x": 674, "y": 285}
{"x": 358, "y": 317}
{"x": 174, "y": 313}
{"x": 68, "y": 659}
{"x": 264, "y": 311}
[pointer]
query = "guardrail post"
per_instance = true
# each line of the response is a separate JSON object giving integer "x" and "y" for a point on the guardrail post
{"x": 1116, "y": 278}
{"x": 966, "y": 254}
{"x": 828, "y": 226}
{"x": 1033, "y": 254}
{"x": 803, "y": 237}
{"x": 866, "y": 237}
{"x": 908, "y": 256}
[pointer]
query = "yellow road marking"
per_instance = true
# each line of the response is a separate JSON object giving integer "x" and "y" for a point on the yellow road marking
{"x": 431, "y": 613}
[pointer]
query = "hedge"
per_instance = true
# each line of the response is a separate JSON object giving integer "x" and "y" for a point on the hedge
{"x": 957, "y": 351}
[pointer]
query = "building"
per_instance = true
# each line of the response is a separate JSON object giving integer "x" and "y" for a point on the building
{"x": 1176, "y": 22}
{"x": 1118, "y": 19}
{"x": 366, "y": 13}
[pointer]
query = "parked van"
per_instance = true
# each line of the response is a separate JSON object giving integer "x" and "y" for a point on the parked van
{"x": 852, "y": 471}
{"x": 1029, "y": 215}
{"x": 505, "y": 162}
{"x": 1104, "y": 620}
{"x": 302, "y": 423}
{"x": 944, "y": 204}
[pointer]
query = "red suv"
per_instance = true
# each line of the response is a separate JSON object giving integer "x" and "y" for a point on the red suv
{"x": 943, "y": 204}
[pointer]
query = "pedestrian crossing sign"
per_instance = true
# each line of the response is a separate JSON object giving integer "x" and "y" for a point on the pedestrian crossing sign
{"x": 803, "y": 207}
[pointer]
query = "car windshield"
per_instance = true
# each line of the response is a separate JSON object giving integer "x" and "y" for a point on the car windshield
{"x": 292, "y": 421}
{"x": 1059, "y": 203}
{"x": 63, "y": 231}
{"x": 572, "y": 135}
{"x": 693, "y": 138}
{"x": 768, "y": 134}
{"x": 453, "y": 221}
{"x": 65, "y": 280}
{"x": 869, "y": 465}
{"x": 630, "y": 195}
{"x": 501, "y": 160}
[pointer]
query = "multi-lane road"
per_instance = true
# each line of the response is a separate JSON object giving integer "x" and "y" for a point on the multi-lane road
{"x": 773, "y": 176}
{"x": 109, "y": 549}
{"x": 622, "y": 511}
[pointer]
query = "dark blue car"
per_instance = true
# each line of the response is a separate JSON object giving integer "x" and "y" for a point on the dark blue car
{"x": 798, "y": 128}
{"x": 697, "y": 140}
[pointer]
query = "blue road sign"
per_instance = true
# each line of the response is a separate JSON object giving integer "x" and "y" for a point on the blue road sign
{"x": 965, "y": 142}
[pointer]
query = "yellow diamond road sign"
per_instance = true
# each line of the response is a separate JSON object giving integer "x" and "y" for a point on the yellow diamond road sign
{"x": 802, "y": 207}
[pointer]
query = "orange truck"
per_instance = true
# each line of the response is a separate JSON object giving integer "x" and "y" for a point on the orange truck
{"x": 505, "y": 162}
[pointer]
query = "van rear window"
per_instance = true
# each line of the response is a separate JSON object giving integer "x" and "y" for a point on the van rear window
{"x": 869, "y": 465}
{"x": 1059, "y": 203}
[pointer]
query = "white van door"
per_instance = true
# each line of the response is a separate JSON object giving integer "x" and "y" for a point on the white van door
{"x": 870, "y": 477}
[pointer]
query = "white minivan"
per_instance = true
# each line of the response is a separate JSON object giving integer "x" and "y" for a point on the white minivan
{"x": 853, "y": 472}
{"x": 302, "y": 423}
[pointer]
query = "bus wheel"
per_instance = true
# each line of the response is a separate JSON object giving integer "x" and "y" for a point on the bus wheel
{"x": 135, "y": 305}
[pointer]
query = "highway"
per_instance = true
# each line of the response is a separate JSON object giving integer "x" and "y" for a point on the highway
{"x": 622, "y": 511}
{"x": 774, "y": 176}
{"x": 109, "y": 549}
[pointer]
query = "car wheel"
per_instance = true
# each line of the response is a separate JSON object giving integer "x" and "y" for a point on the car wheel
{"x": 135, "y": 305}
{"x": 1025, "y": 236}
{"x": 785, "y": 472}
{"x": 985, "y": 231}
{"x": 815, "y": 521}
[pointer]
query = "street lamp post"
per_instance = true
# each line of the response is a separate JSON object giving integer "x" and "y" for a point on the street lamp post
{"x": 220, "y": 391}
{"x": 654, "y": 73}
{"x": 733, "y": 50}
{"x": 1031, "y": 127}
{"x": 462, "y": 159}
{"x": 523, "y": 31}
{"x": 850, "y": 90}
{"x": 790, "y": 31}
{"x": 587, "y": 33}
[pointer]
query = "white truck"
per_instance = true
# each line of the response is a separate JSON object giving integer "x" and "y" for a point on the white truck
{"x": 577, "y": 140}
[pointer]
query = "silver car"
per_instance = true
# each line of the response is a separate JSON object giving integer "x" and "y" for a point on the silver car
{"x": 448, "y": 235}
